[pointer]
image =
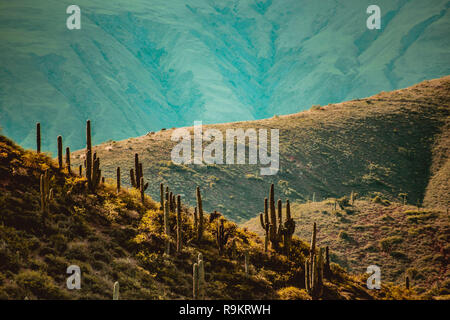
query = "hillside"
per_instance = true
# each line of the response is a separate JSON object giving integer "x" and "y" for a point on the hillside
{"x": 116, "y": 237}
{"x": 144, "y": 65}
{"x": 391, "y": 143}
{"x": 402, "y": 239}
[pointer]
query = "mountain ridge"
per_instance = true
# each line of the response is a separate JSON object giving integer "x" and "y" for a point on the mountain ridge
{"x": 142, "y": 67}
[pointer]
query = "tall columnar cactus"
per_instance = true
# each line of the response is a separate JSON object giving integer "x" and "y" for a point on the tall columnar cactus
{"x": 273, "y": 236}
{"x": 93, "y": 172}
{"x": 161, "y": 195}
{"x": 60, "y": 151}
{"x": 195, "y": 284}
{"x": 171, "y": 206}
{"x": 80, "y": 170}
{"x": 200, "y": 215}
{"x": 407, "y": 283}
{"x": 179, "y": 225}
{"x": 195, "y": 214}
{"x": 198, "y": 278}
{"x": 280, "y": 219}
{"x": 45, "y": 192}
{"x": 314, "y": 269}
{"x": 38, "y": 137}
{"x": 265, "y": 224}
{"x": 326, "y": 267}
{"x": 221, "y": 236}
{"x": 116, "y": 293}
{"x": 69, "y": 169}
{"x": 142, "y": 187}
{"x": 166, "y": 224}
{"x": 201, "y": 276}
{"x": 312, "y": 247}
{"x": 118, "y": 180}
{"x": 137, "y": 171}
{"x": 289, "y": 229}
{"x": 307, "y": 276}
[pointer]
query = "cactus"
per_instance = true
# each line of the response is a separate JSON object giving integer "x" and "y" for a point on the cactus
{"x": 277, "y": 232}
{"x": 307, "y": 277}
{"x": 38, "y": 137}
{"x": 60, "y": 156}
{"x": 201, "y": 275}
{"x": 195, "y": 214}
{"x": 166, "y": 224}
{"x": 118, "y": 179}
{"x": 289, "y": 229}
{"x": 142, "y": 188}
{"x": 137, "y": 173}
{"x": 195, "y": 281}
{"x": 266, "y": 224}
{"x": 179, "y": 225}
{"x": 69, "y": 169}
{"x": 93, "y": 172}
{"x": 264, "y": 219}
{"x": 327, "y": 268}
{"x": 80, "y": 170}
{"x": 45, "y": 192}
{"x": 198, "y": 278}
{"x": 273, "y": 219}
{"x": 200, "y": 215}
{"x": 407, "y": 283}
{"x": 116, "y": 293}
{"x": 171, "y": 202}
{"x": 174, "y": 202}
{"x": 161, "y": 196}
{"x": 132, "y": 178}
{"x": 221, "y": 236}
{"x": 314, "y": 269}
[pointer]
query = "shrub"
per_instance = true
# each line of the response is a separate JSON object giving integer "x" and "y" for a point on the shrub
{"x": 39, "y": 284}
{"x": 293, "y": 293}
{"x": 386, "y": 244}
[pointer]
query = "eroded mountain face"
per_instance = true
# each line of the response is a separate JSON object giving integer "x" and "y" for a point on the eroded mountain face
{"x": 141, "y": 66}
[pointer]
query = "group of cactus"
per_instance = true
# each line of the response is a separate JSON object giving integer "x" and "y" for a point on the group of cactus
{"x": 137, "y": 177}
{"x": 316, "y": 267}
{"x": 60, "y": 149}
{"x": 222, "y": 235}
{"x": 171, "y": 204}
{"x": 276, "y": 231}
{"x": 91, "y": 162}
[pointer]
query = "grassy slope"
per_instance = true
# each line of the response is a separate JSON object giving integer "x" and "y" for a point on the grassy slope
{"x": 400, "y": 239}
{"x": 391, "y": 143}
{"x": 115, "y": 238}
